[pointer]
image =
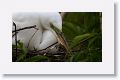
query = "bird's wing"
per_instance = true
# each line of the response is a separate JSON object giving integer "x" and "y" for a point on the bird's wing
{"x": 48, "y": 39}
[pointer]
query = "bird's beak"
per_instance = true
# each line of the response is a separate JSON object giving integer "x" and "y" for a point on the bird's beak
{"x": 60, "y": 37}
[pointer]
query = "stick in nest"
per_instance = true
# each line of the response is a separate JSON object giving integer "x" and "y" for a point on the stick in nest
{"x": 29, "y": 27}
{"x": 39, "y": 51}
{"x": 15, "y": 39}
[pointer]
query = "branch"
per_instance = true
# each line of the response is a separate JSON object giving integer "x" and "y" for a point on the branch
{"x": 43, "y": 50}
{"x": 15, "y": 39}
{"x": 29, "y": 27}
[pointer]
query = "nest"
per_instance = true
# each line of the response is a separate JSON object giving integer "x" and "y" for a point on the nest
{"x": 59, "y": 55}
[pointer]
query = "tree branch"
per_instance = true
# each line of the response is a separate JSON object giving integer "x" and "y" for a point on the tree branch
{"x": 29, "y": 27}
{"x": 34, "y": 51}
{"x": 15, "y": 39}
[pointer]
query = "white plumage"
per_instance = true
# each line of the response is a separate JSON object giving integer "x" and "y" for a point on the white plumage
{"x": 38, "y": 39}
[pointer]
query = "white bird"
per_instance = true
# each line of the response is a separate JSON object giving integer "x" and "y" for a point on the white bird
{"x": 48, "y": 32}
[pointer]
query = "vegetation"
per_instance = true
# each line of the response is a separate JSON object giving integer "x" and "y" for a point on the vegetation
{"x": 83, "y": 32}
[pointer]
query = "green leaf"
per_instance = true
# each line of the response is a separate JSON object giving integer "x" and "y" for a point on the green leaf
{"x": 91, "y": 41}
{"x": 20, "y": 57}
{"x": 80, "y": 38}
{"x": 72, "y": 27}
{"x": 37, "y": 58}
{"x": 70, "y": 30}
{"x": 79, "y": 56}
{"x": 21, "y": 46}
{"x": 22, "y": 51}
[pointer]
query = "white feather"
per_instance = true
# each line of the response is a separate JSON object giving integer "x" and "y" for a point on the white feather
{"x": 43, "y": 37}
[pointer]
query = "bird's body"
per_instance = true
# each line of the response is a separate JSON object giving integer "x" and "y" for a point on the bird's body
{"x": 39, "y": 38}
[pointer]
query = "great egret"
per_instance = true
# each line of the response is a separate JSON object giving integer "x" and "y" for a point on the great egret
{"x": 48, "y": 32}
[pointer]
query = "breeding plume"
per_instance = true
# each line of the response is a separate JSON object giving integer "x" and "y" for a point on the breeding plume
{"x": 48, "y": 29}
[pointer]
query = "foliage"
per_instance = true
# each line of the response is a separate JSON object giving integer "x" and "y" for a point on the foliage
{"x": 83, "y": 33}
{"x": 23, "y": 56}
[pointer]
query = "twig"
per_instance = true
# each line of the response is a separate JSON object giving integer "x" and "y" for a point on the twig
{"x": 29, "y": 27}
{"x": 31, "y": 38}
{"x": 44, "y": 53}
{"x": 14, "y": 34}
{"x": 34, "y": 51}
{"x": 15, "y": 38}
